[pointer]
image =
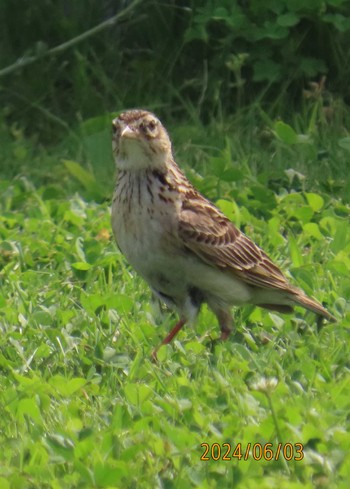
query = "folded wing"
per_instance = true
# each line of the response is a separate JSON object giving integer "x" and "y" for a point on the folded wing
{"x": 215, "y": 239}
{"x": 208, "y": 233}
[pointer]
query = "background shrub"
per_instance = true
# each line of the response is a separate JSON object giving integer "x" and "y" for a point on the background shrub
{"x": 214, "y": 56}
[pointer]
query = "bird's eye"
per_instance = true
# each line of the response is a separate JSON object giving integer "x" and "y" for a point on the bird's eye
{"x": 148, "y": 128}
{"x": 152, "y": 125}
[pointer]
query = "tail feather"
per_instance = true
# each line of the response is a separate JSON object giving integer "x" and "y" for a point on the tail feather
{"x": 312, "y": 305}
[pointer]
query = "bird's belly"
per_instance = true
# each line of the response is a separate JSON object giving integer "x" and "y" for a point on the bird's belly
{"x": 218, "y": 285}
{"x": 151, "y": 245}
{"x": 148, "y": 243}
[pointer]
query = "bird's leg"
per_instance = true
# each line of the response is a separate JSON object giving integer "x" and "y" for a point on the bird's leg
{"x": 169, "y": 337}
{"x": 225, "y": 322}
{"x": 173, "y": 332}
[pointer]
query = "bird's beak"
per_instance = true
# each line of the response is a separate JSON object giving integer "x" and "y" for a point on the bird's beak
{"x": 128, "y": 133}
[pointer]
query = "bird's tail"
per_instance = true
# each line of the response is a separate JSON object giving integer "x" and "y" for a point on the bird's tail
{"x": 303, "y": 300}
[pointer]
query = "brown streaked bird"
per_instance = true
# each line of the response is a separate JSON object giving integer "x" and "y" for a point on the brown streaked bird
{"x": 187, "y": 250}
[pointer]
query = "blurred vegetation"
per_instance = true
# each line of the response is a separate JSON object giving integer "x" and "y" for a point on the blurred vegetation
{"x": 219, "y": 73}
{"x": 255, "y": 95}
{"x": 177, "y": 57}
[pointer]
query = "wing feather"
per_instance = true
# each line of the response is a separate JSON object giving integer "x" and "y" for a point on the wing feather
{"x": 209, "y": 234}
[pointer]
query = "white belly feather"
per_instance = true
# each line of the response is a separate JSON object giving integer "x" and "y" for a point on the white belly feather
{"x": 146, "y": 233}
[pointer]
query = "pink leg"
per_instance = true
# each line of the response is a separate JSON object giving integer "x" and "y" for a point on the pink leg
{"x": 170, "y": 336}
{"x": 225, "y": 321}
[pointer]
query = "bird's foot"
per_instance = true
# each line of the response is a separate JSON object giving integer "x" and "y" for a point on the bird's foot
{"x": 225, "y": 333}
{"x": 168, "y": 339}
{"x": 154, "y": 356}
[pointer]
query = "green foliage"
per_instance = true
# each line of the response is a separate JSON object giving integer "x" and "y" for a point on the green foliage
{"x": 213, "y": 56}
{"x": 273, "y": 36}
{"x": 88, "y": 181}
{"x": 82, "y": 403}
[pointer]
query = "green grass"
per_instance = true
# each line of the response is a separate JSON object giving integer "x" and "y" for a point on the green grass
{"x": 82, "y": 405}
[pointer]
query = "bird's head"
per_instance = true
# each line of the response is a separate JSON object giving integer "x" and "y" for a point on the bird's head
{"x": 140, "y": 141}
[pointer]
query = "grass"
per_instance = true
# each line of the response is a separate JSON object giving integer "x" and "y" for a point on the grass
{"x": 83, "y": 405}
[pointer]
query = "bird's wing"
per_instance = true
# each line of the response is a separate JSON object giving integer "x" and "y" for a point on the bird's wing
{"x": 209, "y": 234}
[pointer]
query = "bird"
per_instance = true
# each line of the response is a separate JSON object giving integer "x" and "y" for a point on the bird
{"x": 182, "y": 245}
